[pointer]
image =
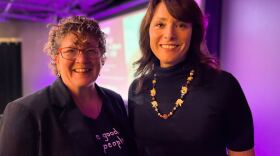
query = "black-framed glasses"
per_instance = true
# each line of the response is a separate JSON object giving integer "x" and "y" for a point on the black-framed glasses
{"x": 71, "y": 53}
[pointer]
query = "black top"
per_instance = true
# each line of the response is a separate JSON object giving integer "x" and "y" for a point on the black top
{"x": 214, "y": 116}
{"x": 48, "y": 123}
{"x": 108, "y": 137}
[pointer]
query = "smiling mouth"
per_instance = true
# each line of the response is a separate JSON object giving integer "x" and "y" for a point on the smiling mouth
{"x": 169, "y": 46}
{"x": 82, "y": 70}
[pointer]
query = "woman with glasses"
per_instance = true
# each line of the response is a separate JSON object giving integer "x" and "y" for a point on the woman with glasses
{"x": 73, "y": 116}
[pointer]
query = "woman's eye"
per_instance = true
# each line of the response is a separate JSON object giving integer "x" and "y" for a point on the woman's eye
{"x": 70, "y": 50}
{"x": 183, "y": 25}
{"x": 159, "y": 25}
{"x": 92, "y": 52}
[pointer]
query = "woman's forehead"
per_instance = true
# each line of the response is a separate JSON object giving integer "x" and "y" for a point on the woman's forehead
{"x": 80, "y": 39}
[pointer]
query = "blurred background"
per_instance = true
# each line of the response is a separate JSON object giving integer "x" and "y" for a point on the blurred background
{"x": 244, "y": 35}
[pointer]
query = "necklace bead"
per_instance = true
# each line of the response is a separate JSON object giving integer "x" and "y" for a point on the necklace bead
{"x": 179, "y": 102}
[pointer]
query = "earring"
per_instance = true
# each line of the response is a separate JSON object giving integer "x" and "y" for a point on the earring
{"x": 58, "y": 74}
{"x": 103, "y": 60}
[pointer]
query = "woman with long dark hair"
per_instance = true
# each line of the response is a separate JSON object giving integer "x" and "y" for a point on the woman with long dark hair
{"x": 182, "y": 103}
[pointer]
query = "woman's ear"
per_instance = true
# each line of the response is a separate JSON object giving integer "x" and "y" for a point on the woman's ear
{"x": 55, "y": 59}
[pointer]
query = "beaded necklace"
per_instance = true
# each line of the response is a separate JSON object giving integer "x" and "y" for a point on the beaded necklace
{"x": 179, "y": 101}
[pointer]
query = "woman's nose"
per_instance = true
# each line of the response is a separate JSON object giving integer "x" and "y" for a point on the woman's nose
{"x": 82, "y": 57}
{"x": 170, "y": 32}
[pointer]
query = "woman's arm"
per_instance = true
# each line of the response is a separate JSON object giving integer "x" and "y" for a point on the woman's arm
{"x": 17, "y": 132}
{"x": 249, "y": 152}
{"x": 239, "y": 121}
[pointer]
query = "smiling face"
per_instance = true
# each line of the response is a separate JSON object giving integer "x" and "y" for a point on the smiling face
{"x": 83, "y": 71}
{"x": 169, "y": 37}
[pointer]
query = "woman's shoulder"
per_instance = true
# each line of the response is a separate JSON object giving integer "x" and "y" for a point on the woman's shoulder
{"x": 221, "y": 79}
{"x": 32, "y": 101}
{"x": 108, "y": 92}
{"x": 27, "y": 106}
{"x": 134, "y": 84}
{"x": 110, "y": 95}
{"x": 226, "y": 77}
{"x": 137, "y": 83}
{"x": 219, "y": 75}
{"x": 114, "y": 101}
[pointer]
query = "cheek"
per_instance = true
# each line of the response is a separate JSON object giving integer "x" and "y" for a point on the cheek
{"x": 153, "y": 41}
{"x": 98, "y": 64}
{"x": 63, "y": 66}
{"x": 189, "y": 36}
{"x": 187, "y": 39}
{"x": 152, "y": 36}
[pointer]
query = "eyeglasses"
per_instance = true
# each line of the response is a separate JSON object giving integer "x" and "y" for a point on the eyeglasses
{"x": 70, "y": 53}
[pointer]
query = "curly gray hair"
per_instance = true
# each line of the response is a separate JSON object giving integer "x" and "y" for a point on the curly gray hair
{"x": 79, "y": 25}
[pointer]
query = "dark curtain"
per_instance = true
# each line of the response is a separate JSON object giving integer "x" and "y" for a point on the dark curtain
{"x": 213, "y": 10}
{"x": 10, "y": 78}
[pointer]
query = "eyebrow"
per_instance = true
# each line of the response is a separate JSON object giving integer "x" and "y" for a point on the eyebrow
{"x": 165, "y": 19}
{"x": 161, "y": 18}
